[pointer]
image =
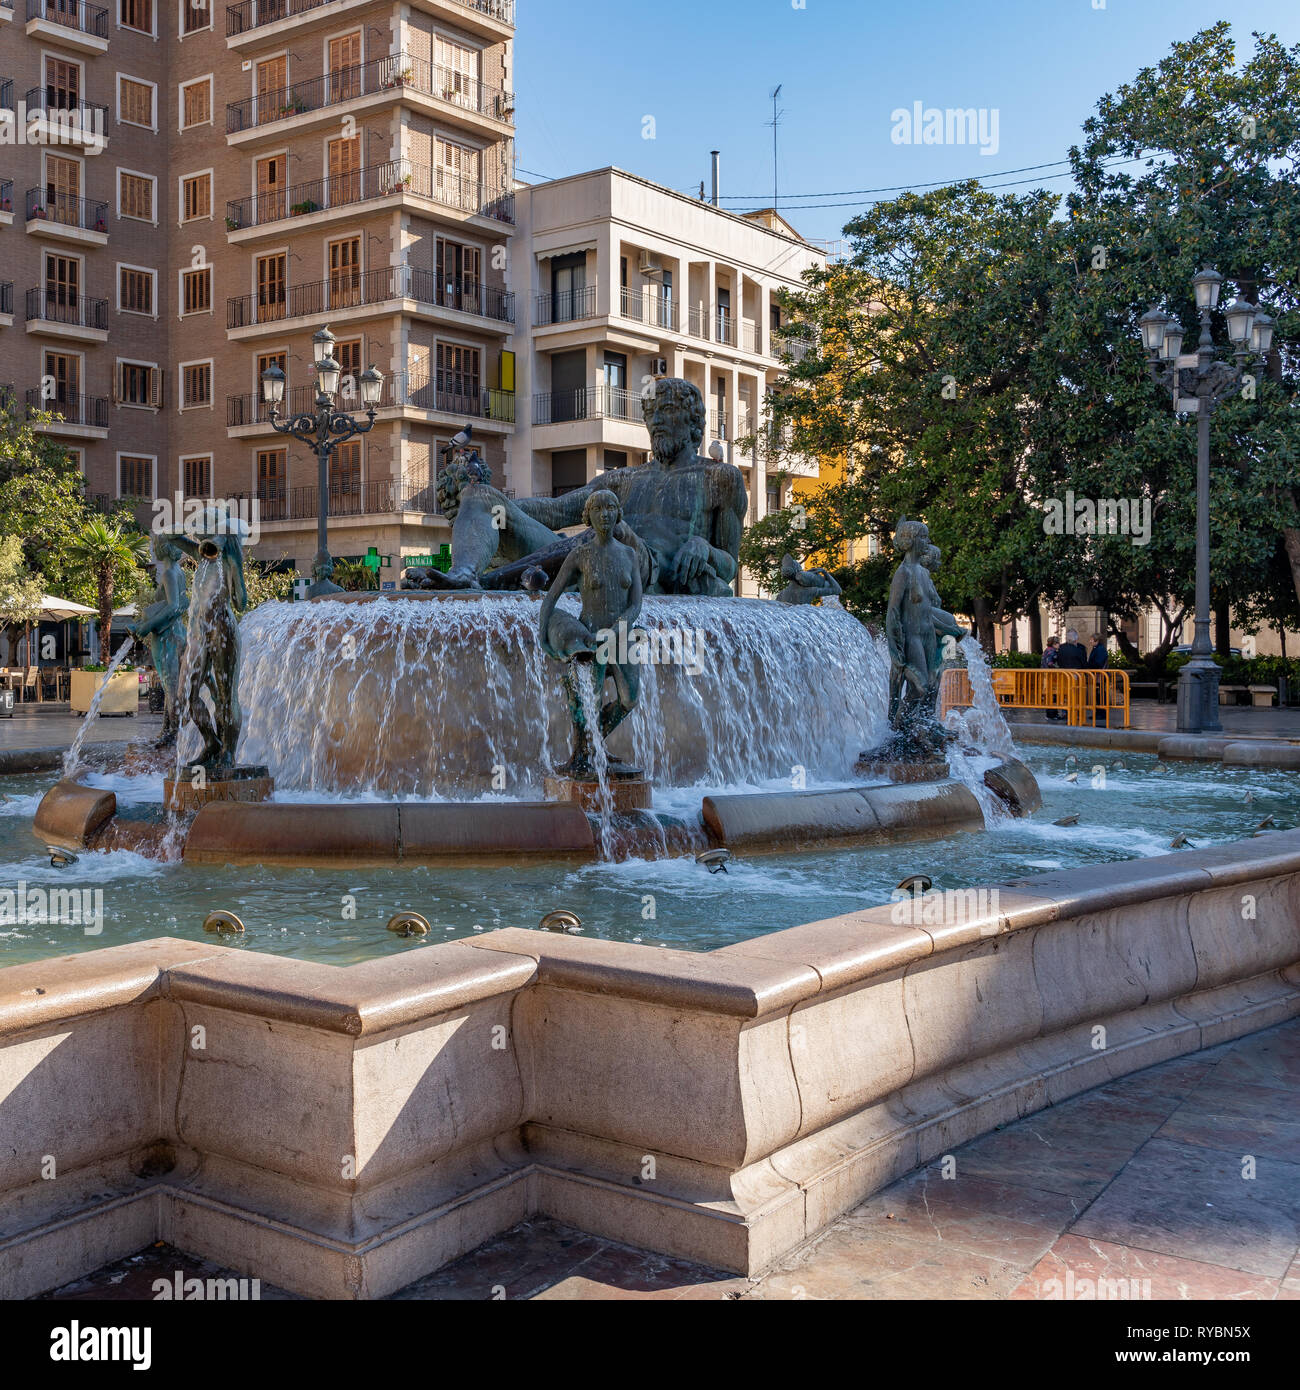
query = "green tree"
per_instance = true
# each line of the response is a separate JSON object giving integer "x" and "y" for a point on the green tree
{"x": 112, "y": 556}
{"x": 354, "y": 576}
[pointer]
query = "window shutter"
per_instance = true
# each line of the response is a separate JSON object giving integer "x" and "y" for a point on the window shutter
{"x": 156, "y": 388}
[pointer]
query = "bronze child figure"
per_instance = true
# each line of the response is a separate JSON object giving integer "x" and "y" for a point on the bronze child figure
{"x": 606, "y": 571}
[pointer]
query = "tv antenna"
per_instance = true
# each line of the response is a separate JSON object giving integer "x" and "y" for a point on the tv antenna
{"x": 775, "y": 124}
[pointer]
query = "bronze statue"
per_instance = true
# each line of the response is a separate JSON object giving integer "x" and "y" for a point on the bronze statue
{"x": 686, "y": 512}
{"x": 805, "y": 585}
{"x": 161, "y": 625}
{"x": 914, "y": 624}
{"x": 212, "y": 642}
{"x": 606, "y": 570}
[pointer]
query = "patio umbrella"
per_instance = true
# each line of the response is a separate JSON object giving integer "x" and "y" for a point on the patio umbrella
{"x": 56, "y": 610}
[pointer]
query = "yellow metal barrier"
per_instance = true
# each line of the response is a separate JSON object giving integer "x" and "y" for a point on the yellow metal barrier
{"x": 1082, "y": 696}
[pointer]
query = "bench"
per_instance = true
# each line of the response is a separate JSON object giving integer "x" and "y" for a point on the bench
{"x": 1261, "y": 696}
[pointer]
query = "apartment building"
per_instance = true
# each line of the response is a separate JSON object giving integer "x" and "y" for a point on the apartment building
{"x": 619, "y": 280}
{"x": 268, "y": 167}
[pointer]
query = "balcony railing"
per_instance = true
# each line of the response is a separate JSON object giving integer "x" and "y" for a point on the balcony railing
{"x": 413, "y": 390}
{"x": 381, "y": 497}
{"x": 68, "y": 111}
{"x": 72, "y": 409}
{"x": 390, "y": 73}
{"x": 72, "y": 14}
{"x": 253, "y": 14}
{"x": 364, "y": 185}
{"x": 566, "y": 306}
{"x": 7, "y": 94}
{"x": 63, "y": 208}
{"x": 797, "y": 347}
{"x": 6, "y": 195}
{"x": 724, "y": 330}
{"x": 586, "y": 403}
{"x": 352, "y": 290}
{"x": 54, "y": 306}
{"x": 6, "y": 296}
{"x": 718, "y": 424}
{"x": 749, "y": 337}
{"x": 648, "y": 306}
{"x": 698, "y": 323}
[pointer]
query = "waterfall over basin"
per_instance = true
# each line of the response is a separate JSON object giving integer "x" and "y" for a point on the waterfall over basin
{"x": 450, "y": 695}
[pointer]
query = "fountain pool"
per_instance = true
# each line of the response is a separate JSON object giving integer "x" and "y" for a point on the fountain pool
{"x": 1130, "y": 811}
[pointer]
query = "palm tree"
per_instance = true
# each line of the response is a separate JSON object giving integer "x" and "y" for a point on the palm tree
{"x": 355, "y": 577}
{"x": 105, "y": 548}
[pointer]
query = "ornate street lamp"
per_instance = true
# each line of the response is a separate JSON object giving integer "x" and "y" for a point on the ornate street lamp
{"x": 324, "y": 431}
{"x": 1197, "y": 385}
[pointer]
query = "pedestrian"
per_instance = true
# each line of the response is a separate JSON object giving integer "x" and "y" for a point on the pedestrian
{"x": 1072, "y": 655}
{"x": 1050, "y": 653}
{"x": 1097, "y": 661}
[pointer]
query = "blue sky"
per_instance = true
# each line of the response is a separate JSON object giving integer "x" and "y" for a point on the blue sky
{"x": 588, "y": 74}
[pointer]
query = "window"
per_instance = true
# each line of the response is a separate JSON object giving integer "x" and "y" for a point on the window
{"x": 196, "y": 290}
{"x": 196, "y": 197}
{"x": 458, "y": 268}
{"x": 272, "y": 483}
{"x": 345, "y": 273}
{"x": 62, "y": 289}
{"x": 62, "y": 84}
{"x": 345, "y": 476}
{"x": 136, "y": 14}
{"x": 457, "y": 172}
{"x": 457, "y": 78}
{"x": 63, "y": 190}
{"x": 135, "y": 101}
{"x": 458, "y": 374}
{"x": 271, "y": 287}
{"x": 135, "y": 196}
{"x": 196, "y": 384}
{"x": 134, "y": 475}
{"x": 196, "y": 103}
{"x": 348, "y": 356}
{"x": 135, "y": 290}
{"x": 345, "y": 67}
{"x": 344, "y": 170}
{"x": 139, "y": 383}
{"x": 196, "y": 475}
{"x": 270, "y": 173}
{"x": 195, "y": 15}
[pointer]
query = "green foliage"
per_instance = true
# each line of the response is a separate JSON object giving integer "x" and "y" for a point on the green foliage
{"x": 355, "y": 577}
{"x": 979, "y": 356}
{"x": 112, "y": 556}
{"x": 266, "y": 585}
{"x": 21, "y": 591}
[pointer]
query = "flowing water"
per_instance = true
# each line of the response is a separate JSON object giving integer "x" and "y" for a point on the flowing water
{"x": 1128, "y": 807}
{"x": 72, "y": 758}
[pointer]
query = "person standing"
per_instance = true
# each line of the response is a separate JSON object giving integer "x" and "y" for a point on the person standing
{"x": 1098, "y": 659}
{"x": 1050, "y": 654}
{"x": 1072, "y": 655}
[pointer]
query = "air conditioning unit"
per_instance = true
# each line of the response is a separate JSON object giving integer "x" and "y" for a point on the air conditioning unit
{"x": 650, "y": 266}
{"x": 658, "y": 366}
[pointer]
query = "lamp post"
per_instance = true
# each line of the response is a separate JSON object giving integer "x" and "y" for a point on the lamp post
{"x": 324, "y": 431}
{"x": 1197, "y": 384}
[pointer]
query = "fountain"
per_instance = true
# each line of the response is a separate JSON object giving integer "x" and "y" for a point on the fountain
{"x": 478, "y": 715}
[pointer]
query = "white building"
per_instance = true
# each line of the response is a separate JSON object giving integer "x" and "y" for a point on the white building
{"x": 618, "y": 280}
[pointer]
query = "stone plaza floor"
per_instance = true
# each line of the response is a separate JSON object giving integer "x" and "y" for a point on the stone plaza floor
{"x": 1184, "y": 1177}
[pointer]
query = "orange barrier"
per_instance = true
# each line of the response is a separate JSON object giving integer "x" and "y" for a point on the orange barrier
{"x": 1081, "y": 695}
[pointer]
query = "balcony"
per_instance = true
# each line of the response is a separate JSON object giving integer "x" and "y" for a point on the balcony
{"x": 565, "y": 306}
{"x": 6, "y": 202}
{"x": 587, "y": 403}
{"x": 57, "y": 314}
{"x": 485, "y": 17}
{"x": 7, "y": 94}
{"x": 386, "y": 287}
{"x": 382, "y": 497}
{"x": 402, "y": 391}
{"x": 6, "y": 10}
{"x": 67, "y": 121}
{"x": 391, "y": 77}
{"x": 72, "y": 23}
{"x": 398, "y": 178}
{"x": 6, "y": 303}
{"x": 649, "y": 307}
{"x": 62, "y": 215}
{"x": 84, "y": 417}
{"x": 787, "y": 344}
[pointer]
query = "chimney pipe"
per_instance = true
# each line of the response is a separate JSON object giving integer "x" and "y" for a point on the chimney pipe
{"x": 717, "y": 174}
